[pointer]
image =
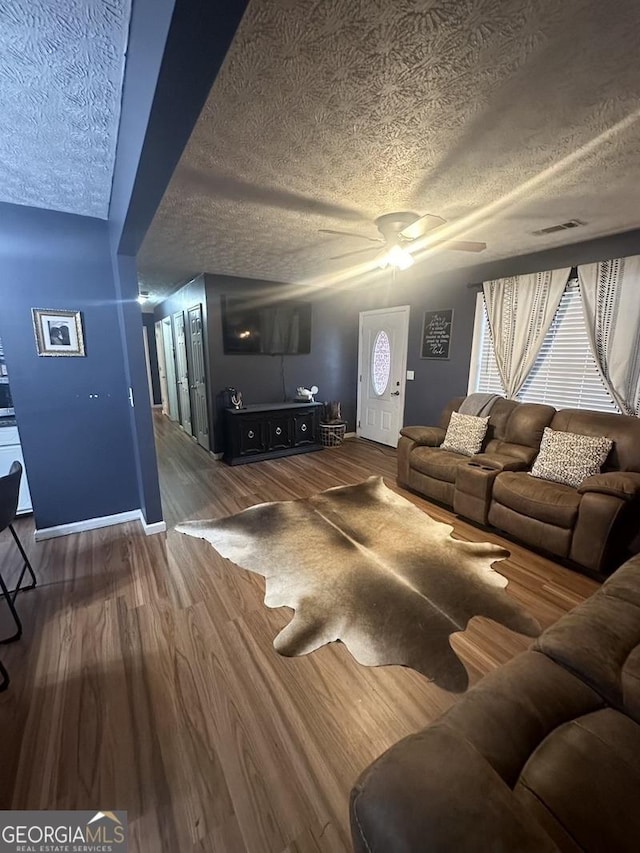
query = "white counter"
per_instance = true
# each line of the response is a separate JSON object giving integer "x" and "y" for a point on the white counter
{"x": 10, "y": 451}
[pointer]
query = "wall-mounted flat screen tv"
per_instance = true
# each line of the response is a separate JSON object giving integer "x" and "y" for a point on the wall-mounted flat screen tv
{"x": 276, "y": 328}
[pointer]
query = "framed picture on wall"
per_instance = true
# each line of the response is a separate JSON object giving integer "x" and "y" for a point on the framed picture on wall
{"x": 436, "y": 334}
{"x": 57, "y": 332}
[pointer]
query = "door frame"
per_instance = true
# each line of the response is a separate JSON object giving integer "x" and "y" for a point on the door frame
{"x": 162, "y": 368}
{"x": 170, "y": 368}
{"x": 178, "y": 316}
{"x": 401, "y": 309}
{"x": 208, "y": 437}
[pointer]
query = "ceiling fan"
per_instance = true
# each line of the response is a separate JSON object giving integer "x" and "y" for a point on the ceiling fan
{"x": 398, "y": 231}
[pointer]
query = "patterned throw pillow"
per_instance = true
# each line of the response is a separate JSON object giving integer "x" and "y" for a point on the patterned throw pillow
{"x": 465, "y": 434}
{"x": 569, "y": 458}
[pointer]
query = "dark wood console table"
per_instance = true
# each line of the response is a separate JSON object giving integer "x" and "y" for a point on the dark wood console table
{"x": 271, "y": 430}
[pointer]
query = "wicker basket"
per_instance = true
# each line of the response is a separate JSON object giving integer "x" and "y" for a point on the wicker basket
{"x": 332, "y": 435}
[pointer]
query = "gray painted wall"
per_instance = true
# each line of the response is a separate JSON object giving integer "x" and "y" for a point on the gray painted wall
{"x": 332, "y": 363}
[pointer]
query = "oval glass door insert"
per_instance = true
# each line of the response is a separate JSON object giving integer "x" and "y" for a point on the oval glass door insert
{"x": 381, "y": 362}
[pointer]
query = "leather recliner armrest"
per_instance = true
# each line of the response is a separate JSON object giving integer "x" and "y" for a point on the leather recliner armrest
{"x": 620, "y": 484}
{"x": 434, "y": 791}
{"x": 499, "y": 462}
{"x": 423, "y": 435}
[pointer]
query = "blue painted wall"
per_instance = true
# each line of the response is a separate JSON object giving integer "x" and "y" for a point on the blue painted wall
{"x": 73, "y": 413}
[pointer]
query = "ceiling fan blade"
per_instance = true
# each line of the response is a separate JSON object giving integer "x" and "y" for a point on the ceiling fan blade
{"x": 464, "y": 246}
{"x": 350, "y": 234}
{"x": 357, "y": 252}
{"x": 422, "y": 226}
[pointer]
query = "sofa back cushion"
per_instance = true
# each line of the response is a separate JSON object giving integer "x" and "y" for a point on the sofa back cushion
{"x": 520, "y": 429}
{"x": 452, "y": 406}
{"x": 498, "y": 417}
{"x": 623, "y": 430}
{"x": 599, "y": 641}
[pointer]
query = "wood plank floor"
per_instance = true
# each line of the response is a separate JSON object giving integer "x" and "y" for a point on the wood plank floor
{"x": 146, "y": 679}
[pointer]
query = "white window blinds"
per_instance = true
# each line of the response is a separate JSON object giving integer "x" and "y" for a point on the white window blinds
{"x": 564, "y": 374}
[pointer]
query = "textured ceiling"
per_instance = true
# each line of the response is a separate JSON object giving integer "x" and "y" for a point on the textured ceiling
{"x": 505, "y": 117}
{"x": 61, "y": 69}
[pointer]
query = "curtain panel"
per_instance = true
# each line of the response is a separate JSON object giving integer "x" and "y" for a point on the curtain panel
{"x": 520, "y": 310}
{"x": 610, "y": 293}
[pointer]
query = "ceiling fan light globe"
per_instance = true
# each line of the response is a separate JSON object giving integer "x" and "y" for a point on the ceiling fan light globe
{"x": 400, "y": 258}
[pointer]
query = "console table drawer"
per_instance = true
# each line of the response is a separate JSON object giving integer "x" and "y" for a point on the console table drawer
{"x": 251, "y": 437}
{"x": 304, "y": 429}
{"x": 278, "y": 433}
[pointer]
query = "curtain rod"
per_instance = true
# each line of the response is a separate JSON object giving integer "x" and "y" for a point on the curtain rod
{"x": 478, "y": 285}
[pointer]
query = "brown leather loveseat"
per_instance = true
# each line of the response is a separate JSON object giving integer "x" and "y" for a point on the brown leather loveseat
{"x": 592, "y": 526}
{"x": 541, "y": 755}
{"x": 512, "y": 441}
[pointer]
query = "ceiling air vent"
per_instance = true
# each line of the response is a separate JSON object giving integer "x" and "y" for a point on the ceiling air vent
{"x": 552, "y": 229}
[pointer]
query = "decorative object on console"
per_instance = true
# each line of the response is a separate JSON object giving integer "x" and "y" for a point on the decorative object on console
{"x": 332, "y": 427}
{"x": 58, "y": 333}
{"x": 306, "y": 394}
{"x": 363, "y": 565}
{"x": 332, "y": 412}
{"x": 465, "y": 434}
{"x": 569, "y": 458}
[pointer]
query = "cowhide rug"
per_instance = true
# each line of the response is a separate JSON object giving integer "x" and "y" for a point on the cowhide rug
{"x": 363, "y": 565}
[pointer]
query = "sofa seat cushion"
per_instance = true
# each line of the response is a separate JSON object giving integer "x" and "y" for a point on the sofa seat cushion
{"x": 543, "y": 500}
{"x": 437, "y": 463}
{"x": 582, "y": 783}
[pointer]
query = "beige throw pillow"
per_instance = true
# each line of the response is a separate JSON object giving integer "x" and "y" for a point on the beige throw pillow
{"x": 465, "y": 434}
{"x": 569, "y": 458}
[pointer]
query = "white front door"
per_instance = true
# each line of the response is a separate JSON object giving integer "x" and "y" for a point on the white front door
{"x": 382, "y": 372}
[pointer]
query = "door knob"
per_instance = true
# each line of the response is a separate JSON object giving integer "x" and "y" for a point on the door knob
{"x": 395, "y": 393}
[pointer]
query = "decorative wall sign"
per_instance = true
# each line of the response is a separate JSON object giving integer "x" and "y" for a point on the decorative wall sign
{"x": 436, "y": 334}
{"x": 58, "y": 332}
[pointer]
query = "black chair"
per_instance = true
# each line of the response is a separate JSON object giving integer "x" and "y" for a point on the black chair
{"x": 9, "y": 490}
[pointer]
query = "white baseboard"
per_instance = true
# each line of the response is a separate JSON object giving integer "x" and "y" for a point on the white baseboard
{"x": 216, "y": 456}
{"x": 154, "y": 527}
{"x": 350, "y": 434}
{"x": 102, "y": 521}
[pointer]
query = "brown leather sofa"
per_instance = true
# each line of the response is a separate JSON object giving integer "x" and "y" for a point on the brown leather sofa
{"x": 591, "y": 526}
{"x": 542, "y": 755}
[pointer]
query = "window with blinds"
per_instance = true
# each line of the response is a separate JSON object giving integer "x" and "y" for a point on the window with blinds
{"x": 564, "y": 375}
